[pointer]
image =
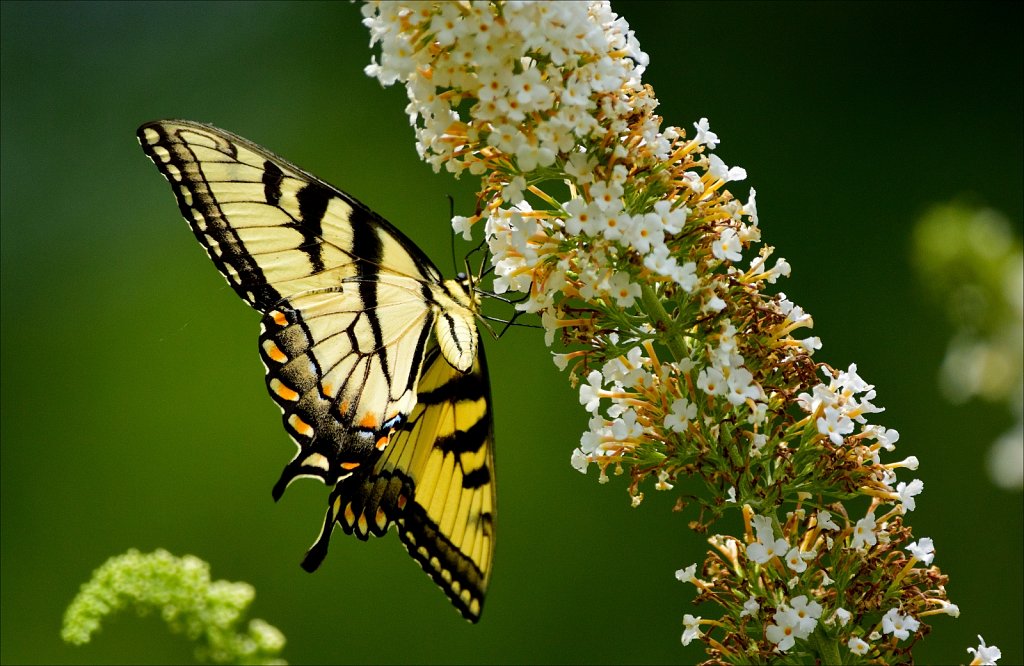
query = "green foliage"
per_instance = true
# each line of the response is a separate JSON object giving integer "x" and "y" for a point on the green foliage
{"x": 180, "y": 589}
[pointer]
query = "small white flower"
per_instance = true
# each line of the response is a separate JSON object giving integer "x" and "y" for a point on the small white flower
{"x": 910, "y": 462}
{"x": 614, "y": 224}
{"x": 858, "y": 646}
{"x": 581, "y": 167}
{"x": 807, "y": 612}
{"x": 607, "y": 195}
{"x": 825, "y": 521}
{"x": 757, "y": 442}
{"x": 727, "y": 246}
{"x": 985, "y": 655}
{"x": 797, "y": 560}
{"x": 835, "y": 425}
{"x": 623, "y": 290}
{"x": 591, "y": 440}
{"x": 582, "y": 217}
{"x": 704, "y": 134}
{"x": 899, "y": 625}
{"x": 923, "y": 550}
{"x": 844, "y": 616}
{"x": 672, "y": 220}
{"x": 763, "y": 528}
{"x": 714, "y": 304}
{"x": 626, "y": 428}
{"x": 887, "y": 437}
{"x": 750, "y": 607}
{"x": 462, "y": 225}
{"x": 781, "y": 269}
{"x": 683, "y": 412}
{"x": 645, "y": 233}
{"x": 513, "y": 190}
{"x": 718, "y": 169}
{"x": 783, "y": 632}
{"x": 712, "y": 382}
{"x": 763, "y": 552}
{"x": 692, "y": 630}
{"x": 685, "y": 276}
{"x": 590, "y": 393}
{"x": 686, "y": 575}
{"x": 741, "y": 387}
{"x": 579, "y": 461}
{"x": 907, "y": 492}
{"x": 693, "y": 181}
{"x": 864, "y": 533}
{"x": 750, "y": 208}
{"x": 811, "y": 344}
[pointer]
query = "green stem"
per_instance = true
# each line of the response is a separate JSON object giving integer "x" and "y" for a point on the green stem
{"x": 662, "y": 320}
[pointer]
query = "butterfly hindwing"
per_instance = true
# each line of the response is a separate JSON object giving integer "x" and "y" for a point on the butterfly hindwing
{"x": 435, "y": 483}
{"x": 374, "y": 361}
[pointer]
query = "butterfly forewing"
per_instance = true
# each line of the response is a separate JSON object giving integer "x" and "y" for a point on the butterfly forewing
{"x": 353, "y": 314}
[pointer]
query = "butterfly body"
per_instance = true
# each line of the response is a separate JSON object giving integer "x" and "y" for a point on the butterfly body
{"x": 373, "y": 358}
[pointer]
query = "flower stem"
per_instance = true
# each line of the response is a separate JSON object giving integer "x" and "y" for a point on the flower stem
{"x": 662, "y": 321}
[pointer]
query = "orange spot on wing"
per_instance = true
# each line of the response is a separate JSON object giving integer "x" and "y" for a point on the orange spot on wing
{"x": 401, "y": 502}
{"x": 343, "y": 407}
{"x": 274, "y": 352}
{"x": 382, "y": 443}
{"x": 284, "y": 392}
{"x": 369, "y": 421}
{"x": 349, "y": 465}
{"x": 279, "y": 317}
{"x": 300, "y": 426}
{"x": 327, "y": 389}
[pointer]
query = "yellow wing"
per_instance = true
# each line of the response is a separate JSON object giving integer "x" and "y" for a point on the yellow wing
{"x": 435, "y": 482}
{"x": 350, "y": 309}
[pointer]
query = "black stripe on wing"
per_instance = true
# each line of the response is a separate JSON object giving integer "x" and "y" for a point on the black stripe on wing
{"x": 202, "y": 211}
{"x": 174, "y": 146}
{"x": 369, "y": 503}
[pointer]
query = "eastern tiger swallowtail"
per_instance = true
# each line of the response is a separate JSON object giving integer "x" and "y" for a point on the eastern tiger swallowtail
{"x": 374, "y": 359}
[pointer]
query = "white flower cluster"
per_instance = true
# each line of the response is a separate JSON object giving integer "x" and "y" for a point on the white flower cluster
{"x": 530, "y": 74}
{"x": 558, "y": 84}
{"x": 839, "y": 405}
{"x": 844, "y": 402}
{"x": 798, "y": 618}
{"x": 767, "y": 547}
{"x": 549, "y": 85}
{"x": 642, "y": 254}
{"x": 633, "y": 376}
{"x": 630, "y": 378}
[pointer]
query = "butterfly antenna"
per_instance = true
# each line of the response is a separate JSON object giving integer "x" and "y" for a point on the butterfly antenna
{"x": 510, "y": 323}
{"x": 451, "y": 229}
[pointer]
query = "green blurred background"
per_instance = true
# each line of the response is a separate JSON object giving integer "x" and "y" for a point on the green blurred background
{"x": 134, "y": 411}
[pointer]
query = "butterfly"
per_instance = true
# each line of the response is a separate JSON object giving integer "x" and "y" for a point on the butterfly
{"x": 374, "y": 359}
